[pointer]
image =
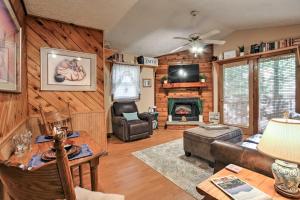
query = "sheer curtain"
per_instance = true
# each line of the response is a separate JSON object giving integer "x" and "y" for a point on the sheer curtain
{"x": 125, "y": 82}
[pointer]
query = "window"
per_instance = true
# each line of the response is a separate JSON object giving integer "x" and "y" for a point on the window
{"x": 236, "y": 94}
{"x": 277, "y": 87}
{"x": 125, "y": 82}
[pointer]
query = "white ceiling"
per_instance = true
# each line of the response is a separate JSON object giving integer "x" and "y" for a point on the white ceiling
{"x": 147, "y": 27}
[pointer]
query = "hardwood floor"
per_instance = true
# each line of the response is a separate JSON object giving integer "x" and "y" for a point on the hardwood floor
{"x": 122, "y": 173}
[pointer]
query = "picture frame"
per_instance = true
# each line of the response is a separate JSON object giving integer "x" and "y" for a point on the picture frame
{"x": 147, "y": 83}
{"x": 65, "y": 70}
{"x": 10, "y": 49}
{"x": 214, "y": 117}
{"x": 229, "y": 54}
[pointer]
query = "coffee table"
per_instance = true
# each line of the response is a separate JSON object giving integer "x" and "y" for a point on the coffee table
{"x": 261, "y": 182}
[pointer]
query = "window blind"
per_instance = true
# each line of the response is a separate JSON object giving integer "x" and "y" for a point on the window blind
{"x": 277, "y": 87}
{"x": 236, "y": 94}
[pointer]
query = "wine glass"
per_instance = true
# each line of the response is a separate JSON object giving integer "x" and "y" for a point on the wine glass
{"x": 19, "y": 145}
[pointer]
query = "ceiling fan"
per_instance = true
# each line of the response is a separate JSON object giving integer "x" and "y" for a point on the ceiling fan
{"x": 197, "y": 41}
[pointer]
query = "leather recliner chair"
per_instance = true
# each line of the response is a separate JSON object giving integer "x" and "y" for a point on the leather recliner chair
{"x": 133, "y": 129}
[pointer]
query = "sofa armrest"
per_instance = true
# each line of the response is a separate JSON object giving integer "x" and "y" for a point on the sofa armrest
{"x": 119, "y": 120}
{"x": 145, "y": 116}
{"x": 227, "y": 153}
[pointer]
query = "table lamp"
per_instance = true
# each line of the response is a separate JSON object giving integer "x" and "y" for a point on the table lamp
{"x": 281, "y": 140}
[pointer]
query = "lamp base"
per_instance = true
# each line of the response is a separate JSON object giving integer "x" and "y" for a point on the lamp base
{"x": 287, "y": 194}
{"x": 287, "y": 178}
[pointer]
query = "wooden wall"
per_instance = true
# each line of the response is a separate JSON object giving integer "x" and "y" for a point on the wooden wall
{"x": 205, "y": 66}
{"x": 13, "y": 106}
{"x": 47, "y": 33}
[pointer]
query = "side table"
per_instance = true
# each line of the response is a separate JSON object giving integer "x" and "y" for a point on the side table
{"x": 261, "y": 182}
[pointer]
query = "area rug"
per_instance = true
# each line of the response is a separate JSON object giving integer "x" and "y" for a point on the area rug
{"x": 169, "y": 160}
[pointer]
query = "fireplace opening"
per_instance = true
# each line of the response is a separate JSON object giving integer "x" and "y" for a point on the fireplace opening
{"x": 187, "y": 108}
{"x": 183, "y": 109}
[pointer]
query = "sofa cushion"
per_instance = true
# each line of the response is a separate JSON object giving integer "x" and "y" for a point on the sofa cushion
{"x": 137, "y": 127}
{"x": 294, "y": 115}
{"x": 208, "y": 136}
{"x": 131, "y": 116}
{"x": 254, "y": 138}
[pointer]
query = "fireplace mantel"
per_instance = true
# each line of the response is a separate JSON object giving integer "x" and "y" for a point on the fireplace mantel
{"x": 178, "y": 86}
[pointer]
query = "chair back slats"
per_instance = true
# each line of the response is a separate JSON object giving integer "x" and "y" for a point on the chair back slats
{"x": 42, "y": 183}
{"x": 56, "y": 118}
{"x": 50, "y": 181}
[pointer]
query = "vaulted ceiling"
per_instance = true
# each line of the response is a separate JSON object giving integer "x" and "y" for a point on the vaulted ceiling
{"x": 148, "y": 26}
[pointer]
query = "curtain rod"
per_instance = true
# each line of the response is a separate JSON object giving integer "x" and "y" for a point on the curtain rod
{"x": 123, "y": 63}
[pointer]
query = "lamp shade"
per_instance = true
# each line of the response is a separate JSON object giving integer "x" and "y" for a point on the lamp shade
{"x": 281, "y": 140}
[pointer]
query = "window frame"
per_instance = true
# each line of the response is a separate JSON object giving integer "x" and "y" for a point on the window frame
{"x": 137, "y": 98}
{"x": 253, "y": 60}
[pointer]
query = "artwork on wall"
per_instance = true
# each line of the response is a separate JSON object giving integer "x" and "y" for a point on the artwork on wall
{"x": 147, "y": 83}
{"x": 10, "y": 49}
{"x": 64, "y": 70}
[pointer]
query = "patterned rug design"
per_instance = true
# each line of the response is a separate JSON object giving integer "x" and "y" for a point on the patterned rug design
{"x": 169, "y": 160}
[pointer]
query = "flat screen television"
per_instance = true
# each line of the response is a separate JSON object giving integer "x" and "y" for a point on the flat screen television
{"x": 183, "y": 73}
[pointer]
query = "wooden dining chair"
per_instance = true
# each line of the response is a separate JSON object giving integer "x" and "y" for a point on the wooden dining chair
{"x": 48, "y": 182}
{"x": 51, "y": 181}
{"x": 60, "y": 118}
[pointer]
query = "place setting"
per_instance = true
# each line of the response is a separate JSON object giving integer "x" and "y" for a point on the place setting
{"x": 74, "y": 151}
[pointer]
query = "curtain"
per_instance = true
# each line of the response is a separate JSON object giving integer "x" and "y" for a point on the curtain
{"x": 125, "y": 82}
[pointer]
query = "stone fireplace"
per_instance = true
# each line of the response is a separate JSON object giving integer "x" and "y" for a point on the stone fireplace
{"x": 190, "y": 108}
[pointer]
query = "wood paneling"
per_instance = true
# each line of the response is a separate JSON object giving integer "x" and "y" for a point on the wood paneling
{"x": 94, "y": 124}
{"x": 47, "y": 33}
{"x": 205, "y": 66}
{"x": 13, "y": 107}
{"x": 91, "y": 122}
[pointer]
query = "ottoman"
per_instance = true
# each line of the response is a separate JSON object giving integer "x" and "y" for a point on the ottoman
{"x": 196, "y": 141}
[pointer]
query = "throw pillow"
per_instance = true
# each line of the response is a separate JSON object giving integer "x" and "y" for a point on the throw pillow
{"x": 131, "y": 116}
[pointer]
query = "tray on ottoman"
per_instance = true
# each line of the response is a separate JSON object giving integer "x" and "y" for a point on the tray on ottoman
{"x": 196, "y": 141}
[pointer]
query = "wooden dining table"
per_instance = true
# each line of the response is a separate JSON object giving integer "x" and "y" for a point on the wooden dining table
{"x": 84, "y": 138}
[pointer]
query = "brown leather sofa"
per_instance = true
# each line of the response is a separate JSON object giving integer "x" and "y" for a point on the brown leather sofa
{"x": 227, "y": 153}
{"x": 133, "y": 129}
{"x": 244, "y": 154}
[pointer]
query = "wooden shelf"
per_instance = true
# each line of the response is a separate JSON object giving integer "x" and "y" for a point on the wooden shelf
{"x": 184, "y": 85}
{"x": 253, "y": 55}
{"x": 187, "y": 86}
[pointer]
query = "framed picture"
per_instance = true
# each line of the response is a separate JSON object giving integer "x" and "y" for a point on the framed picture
{"x": 64, "y": 70}
{"x": 214, "y": 117}
{"x": 10, "y": 49}
{"x": 147, "y": 83}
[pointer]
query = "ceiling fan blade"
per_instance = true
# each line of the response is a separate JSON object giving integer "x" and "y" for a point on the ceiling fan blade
{"x": 182, "y": 38}
{"x": 209, "y": 34}
{"x": 213, "y": 41}
{"x": 181, "y": 47}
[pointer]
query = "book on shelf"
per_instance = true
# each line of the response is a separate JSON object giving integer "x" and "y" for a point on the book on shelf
{"x": 238, "y": 189}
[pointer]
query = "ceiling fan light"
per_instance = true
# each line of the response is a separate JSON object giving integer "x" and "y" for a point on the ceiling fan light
{"x": 194, "y": 49}
{"x": 200, "y": 49}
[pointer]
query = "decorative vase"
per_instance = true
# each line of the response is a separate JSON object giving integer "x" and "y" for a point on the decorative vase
{"x": 165, "y": 81}
{"x": 287, "y": 178}
{"x": 242, "y": 53}
{"x": 170, "y": 118}
{"x": 202, "y": 80}
{"x": 200, "y": 118}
